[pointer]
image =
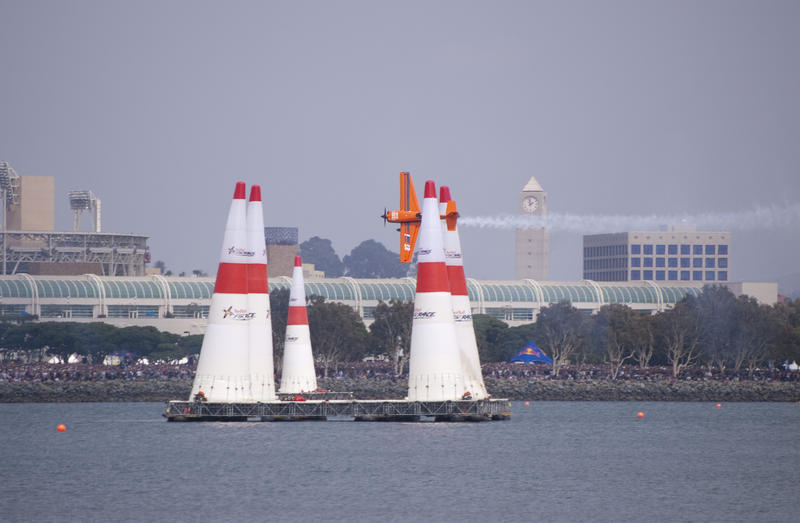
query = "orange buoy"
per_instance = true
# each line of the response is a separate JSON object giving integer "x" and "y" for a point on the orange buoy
{"x": 527, "y": 403}
{"x": 61, "y": 428}
{"x": 719, "y": 405}
{"x": 640, "y": 414}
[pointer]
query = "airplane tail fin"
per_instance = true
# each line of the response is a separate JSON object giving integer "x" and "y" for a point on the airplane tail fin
{"x": 408, "y": 197}
{"x": 451, "y": 215}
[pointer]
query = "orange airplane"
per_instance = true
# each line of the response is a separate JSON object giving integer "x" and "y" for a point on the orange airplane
{"x": 409, "y": 217}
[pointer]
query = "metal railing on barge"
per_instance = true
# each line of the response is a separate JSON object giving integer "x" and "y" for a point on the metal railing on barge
{"x": 315, "y": 395}
{"x": 359, "y": 410}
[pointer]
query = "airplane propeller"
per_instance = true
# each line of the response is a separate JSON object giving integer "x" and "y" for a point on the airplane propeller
{"x": 385, "y": 212}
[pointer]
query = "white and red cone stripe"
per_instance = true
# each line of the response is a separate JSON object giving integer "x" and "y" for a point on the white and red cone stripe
{"x": 462, "y": 309}
{"x": 298, "y": 373}
{"x": 223, "y": 370}
{"x": 262, "y": 375}
{"x": 435, "y": 372}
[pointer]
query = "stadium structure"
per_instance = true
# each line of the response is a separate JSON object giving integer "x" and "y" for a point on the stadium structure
{"x": 29, "y": 244}
{"x": 181, "y": 304}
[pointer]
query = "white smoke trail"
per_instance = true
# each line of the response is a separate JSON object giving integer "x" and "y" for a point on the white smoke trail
{"x": 760, "y": 218}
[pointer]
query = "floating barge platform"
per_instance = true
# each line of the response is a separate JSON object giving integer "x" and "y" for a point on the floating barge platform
{"x": 358, "y": 410}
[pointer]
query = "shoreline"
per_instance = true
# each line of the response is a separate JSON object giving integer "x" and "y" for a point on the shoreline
{"x": 514, "y": 389}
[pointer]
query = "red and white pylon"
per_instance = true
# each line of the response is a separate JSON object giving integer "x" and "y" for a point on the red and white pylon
{"x": 298, "y": 374}
{"x": 223, "y": 370}
{"x": 462, "y": 309}
{"x": 262, "y": 374}
{"x": 435, "y": 363}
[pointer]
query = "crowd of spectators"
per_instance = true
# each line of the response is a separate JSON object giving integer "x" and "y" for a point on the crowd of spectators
{"x": 384, "y": 370}
{"x": 44, "y": 372}
{"x": 633, "y": 373}
{"x": 370, "y": 370}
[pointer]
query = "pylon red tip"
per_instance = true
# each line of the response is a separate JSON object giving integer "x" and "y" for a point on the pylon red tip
{"x": 444, "y": 194}
{"x": 241, "y": 191}
{"x": 255, "y": 193}
{"x": 430, "y": 189}
{"x": 298, "y": 262}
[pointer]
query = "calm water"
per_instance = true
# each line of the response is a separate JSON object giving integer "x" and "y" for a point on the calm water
{"x": 551, "y": 462}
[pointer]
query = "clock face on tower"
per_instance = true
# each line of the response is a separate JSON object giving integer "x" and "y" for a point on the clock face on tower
{"x": 530, "y": 204}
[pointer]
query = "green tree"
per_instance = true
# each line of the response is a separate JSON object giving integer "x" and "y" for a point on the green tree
{"x": 614, "y": 329}
{"x": 164, "y": 352}
{"x": 679, "y": 333}
{"x": 5, "y": 350}
{"x": 787, "y": 339}
{"x": 319, "y": 251}
{"x": 513, "y": 339}
{"x": 371, "y": 259}
{"x": 337, "y": 332}
{"x": 490, "y": 335}
{"x": 23, "y": 342}
{"x": 717, "y": 307}
{"x": 643, "y": 339}
{"x": 160, "y": 265}
{"x": 169, "y": 349}
{"x": 758, "y": 329}
{"x": 562, "y": 330}
{"x": 189, "y": 346}
{"x": 279, "y": 311}
{"x": 141, "y": 341}
{"x": 62, "y": 339}
{"x": 390, "y": 332}
{"x": 97, "y": 341}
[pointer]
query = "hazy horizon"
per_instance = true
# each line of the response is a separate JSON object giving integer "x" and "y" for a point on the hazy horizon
{"x": 626, "y": 112}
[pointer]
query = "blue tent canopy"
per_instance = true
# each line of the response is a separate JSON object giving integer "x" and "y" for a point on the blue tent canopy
{"x": 531, "y": 354}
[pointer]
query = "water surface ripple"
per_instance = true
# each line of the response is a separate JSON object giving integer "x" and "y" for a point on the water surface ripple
{"x": 552, "y": 461}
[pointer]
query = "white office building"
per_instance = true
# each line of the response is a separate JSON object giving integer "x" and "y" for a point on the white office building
{"x": 673, "y": 255}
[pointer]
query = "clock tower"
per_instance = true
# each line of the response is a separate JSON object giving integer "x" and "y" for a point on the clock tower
{"x": 532, "y": 245}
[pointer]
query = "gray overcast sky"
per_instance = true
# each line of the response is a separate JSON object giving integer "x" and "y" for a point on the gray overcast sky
{"x": 616, "y": 107}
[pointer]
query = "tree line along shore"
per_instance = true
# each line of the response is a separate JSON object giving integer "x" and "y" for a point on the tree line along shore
{"x": 714, "y": 329}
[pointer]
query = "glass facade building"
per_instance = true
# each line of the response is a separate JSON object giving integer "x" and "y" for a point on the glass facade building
{"x": 164, "y": 299}
{"x": 181, "y": 305}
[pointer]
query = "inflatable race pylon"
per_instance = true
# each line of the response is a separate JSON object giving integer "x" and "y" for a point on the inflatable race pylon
{"x": 435, "y": 363}
{"x": 223, "y": 370}
{"x": 462, "y": 309}
{"x": 262, "y": 374}
{"x": 298, "y": 374}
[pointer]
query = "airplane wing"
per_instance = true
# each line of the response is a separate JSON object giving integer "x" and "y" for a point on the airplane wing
{"x": 408, "y": 239}
{"x": 408, "y": 231}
